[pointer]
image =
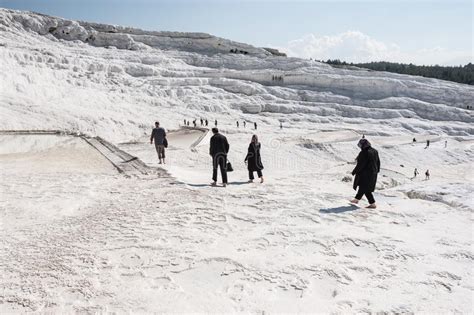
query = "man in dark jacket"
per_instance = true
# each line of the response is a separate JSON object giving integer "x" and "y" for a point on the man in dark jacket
{"x": 366, "y": 170}
{"x": 218, "y": 150}
{"x": 159, "y": 136}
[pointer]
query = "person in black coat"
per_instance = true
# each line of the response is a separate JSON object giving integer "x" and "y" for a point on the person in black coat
{"x": 254, "y": 160}
{"x": 218, "y": 150}
{"x": 366, "y": 170}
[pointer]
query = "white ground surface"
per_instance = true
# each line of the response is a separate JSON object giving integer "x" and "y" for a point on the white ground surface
{"x": 76, "y": 236}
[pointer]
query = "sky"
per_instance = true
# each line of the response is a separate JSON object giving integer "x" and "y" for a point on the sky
{"x": 416, "y": 31}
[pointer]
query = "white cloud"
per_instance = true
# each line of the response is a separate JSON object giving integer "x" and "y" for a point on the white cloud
{"x": 354, "y": 46}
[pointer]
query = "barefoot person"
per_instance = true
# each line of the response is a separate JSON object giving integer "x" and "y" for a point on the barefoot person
{"x": 159, "y": 136}
{"x": 368, "y": 165}
{"x": 218, "y": 150}
{"x": 253, "y": 159}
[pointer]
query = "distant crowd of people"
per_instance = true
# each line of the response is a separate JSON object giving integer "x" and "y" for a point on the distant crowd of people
{"x": 428, "y": 143}
{"x": 427, "y": 172}
{"x": 205, "y": 123}
{"x": 416, "y": 173}
{"x": 277, "y": 78}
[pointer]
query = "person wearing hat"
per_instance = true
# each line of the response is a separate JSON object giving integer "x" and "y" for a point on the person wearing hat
{"x": 366, "y": 170}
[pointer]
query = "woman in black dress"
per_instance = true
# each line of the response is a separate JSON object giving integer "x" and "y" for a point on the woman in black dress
{"x": 366, "y": 170}
{"x": 253, "y": 159}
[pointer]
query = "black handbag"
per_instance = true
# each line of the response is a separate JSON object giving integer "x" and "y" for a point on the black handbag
{"x": 229, "y": 167}
{"x": 165, "y": 142}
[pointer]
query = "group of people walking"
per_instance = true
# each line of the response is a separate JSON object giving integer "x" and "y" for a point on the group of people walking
{"x": 415, "y": 173}
{"x": 205, "y": 123}
{"x": 365, "y": 172}
{"x": 428, "y": 143}
{"x": 219, "y": 148}
{"x": 244, "y": 123}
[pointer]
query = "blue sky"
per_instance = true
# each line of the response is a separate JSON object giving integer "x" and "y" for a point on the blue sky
{"x": 418, "y": 31}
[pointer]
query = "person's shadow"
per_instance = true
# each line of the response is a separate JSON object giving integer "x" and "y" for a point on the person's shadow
{"x": 339, "y": 209}
{"x": 208, "y": 185}
{"x": 197, "y": 185}
{"x": 238, "y": 183}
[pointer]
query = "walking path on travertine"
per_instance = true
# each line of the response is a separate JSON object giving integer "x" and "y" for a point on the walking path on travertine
{"x": 77, "y": 236}
{"x": 90, "y": 239}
